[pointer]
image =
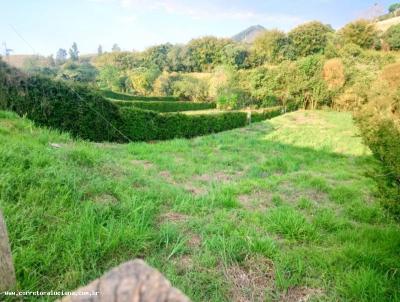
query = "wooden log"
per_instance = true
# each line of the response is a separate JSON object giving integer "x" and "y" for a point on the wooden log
{"x": 7, "y": 273}
{"x": 133, "y": 281}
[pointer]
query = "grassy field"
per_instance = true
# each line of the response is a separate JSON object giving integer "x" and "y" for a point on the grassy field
{"x": 277, "y": 211}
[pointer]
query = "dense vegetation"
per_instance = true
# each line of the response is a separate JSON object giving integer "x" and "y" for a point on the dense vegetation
{"x": 165, "y": 106}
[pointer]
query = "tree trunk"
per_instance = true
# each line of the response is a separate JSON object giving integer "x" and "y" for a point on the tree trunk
{"x": 7, "y": 274}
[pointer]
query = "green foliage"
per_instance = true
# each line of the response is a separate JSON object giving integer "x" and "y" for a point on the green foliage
{"x": 233, "y": 98}
{"x": 265, "y": 114}
{"x": 191, "y": 88}
{"x": 394, "y": 7}
{"x": 205, "y": 53}
{"x": 140, "y": 80}
{"x": 127, "y": 97}
{"x": 78, "y": 72}
{"x": 392, "y": 37}
{"x": 270, "y": 46}
{"x": 310, "y": 38}
{"x": 142, "y": 125}
{"x": 165, "y": 106}
{"x": 74, "y": 52}
{"x": 362, "y": 33}
{"x": 66, "y": 107}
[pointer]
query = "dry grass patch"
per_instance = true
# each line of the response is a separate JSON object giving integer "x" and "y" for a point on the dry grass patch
{"x": 252, "y": 280}
{"x": 144, "y": 163}
{"x": 105, "y": 198}
{"x": 257, "y": 200}
{"x": 300, "y": 294}
{"x": 174, "y": 217}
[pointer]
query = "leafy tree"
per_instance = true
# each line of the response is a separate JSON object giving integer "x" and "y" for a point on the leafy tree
{"x": 176, "y": 58}
{"x": 394, "y": 7}
{"x": 109, "y": 77}
{"x": 141, "y": 80}
{"x": 392, "y": 37}
{"x": 115, "y": 48}
{"x": 270, "y": 46}
{"x": 156, "y": 56}
{"x": 72, "y": 71}
{"x": 205, "y": 53}
{"x": 310, "y": 38}
{"x": 74, "y": 52}
{"x": 235, "y": 55}
{"x": 100, "y": 50}
{"x": 362, "y": 33}
{"x": 61, "y": 56}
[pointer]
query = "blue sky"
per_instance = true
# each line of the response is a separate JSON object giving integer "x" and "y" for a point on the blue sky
{"x": 47, "y": 25}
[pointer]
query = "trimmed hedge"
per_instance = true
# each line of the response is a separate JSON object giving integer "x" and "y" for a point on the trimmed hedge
{"x": 141, "y": 125}
{"x": 258, "y": 116}
{"x": 166, "y": 106}
{"x": 67, "y": 107}
{"x": 128, "y": 97}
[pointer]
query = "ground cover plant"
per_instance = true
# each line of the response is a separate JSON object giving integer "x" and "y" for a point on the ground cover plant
{"x": 284, "y": 209}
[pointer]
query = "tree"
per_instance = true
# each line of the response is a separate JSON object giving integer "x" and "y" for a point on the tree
{"x": 100, "y": 50}
{"x": 269, "y": 46}
{"x": 392, "y": 37}
{"x": 115, "y": 48}
{"x": 74, "y": 52}
{"x": 310, "y": 38}
{"x": 362, "y": 33}
{"x": 61, "y": 56}
{"x": 394, "y": 7}
{"x": 235, "y": 55}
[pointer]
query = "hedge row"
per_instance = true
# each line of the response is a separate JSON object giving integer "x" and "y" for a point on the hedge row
{"x": 166, "y": 106}
{"x": 67, "y": 107}
{"x": 258, "y": 116}
{"x": 128, "y": 97}
{"x": 142, "y": 125}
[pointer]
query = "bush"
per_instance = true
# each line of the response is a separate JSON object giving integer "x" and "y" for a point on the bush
{"x": 392, "y": 37}
{"x": 362, "y": 33}
{"x": 258, "y": 116}
{"x": 127, "y": 97}
{"x": 333, "y": 74}
{"x": 191, "y": 88}
{"x": 59, "y": 105}
{"x": 163, "y": 106}
{"x": 310, "y": 38}
{"x": 379, "y": 122}
{"x": 142, "y": 125}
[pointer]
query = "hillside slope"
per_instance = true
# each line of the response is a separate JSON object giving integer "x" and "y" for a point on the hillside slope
{"x": 249, "y": 34}
{"x": 384, "y": 25}
{"x": 283, "y": 209}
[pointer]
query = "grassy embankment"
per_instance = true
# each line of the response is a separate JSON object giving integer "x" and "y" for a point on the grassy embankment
{"x": 281, "y": 209}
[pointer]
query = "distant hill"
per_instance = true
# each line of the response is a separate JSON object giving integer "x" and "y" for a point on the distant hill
{"x": 17, "y": 60}
{"x": 249, "y": 34}
{"x": 384, "y": 25}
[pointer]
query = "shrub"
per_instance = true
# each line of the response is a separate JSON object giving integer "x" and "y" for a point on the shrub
{"x": 379, "y": 122}
{"x": 164, "y": 106}
{"x": 392, "y": 37}
{"x": 56, "y": 104}
{"x": 310, "y": 38}
{"x": 362, "y": 33}
{"x": 333, "y": 73}
{"x": 127, "y": 97}
{"x": 142, "y": 125}
{"x": 258, "y": 116}
{"x": 233, "y": 98}
{"x": 191, "y": 88}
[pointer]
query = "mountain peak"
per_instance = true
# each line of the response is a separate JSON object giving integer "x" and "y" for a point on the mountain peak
{"x": 249, "y": 34}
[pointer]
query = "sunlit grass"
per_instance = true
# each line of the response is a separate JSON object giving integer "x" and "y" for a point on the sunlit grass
{"x": 294, "y": 191}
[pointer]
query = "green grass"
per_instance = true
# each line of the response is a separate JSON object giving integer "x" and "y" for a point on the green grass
{"x": 291, "y": 198}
